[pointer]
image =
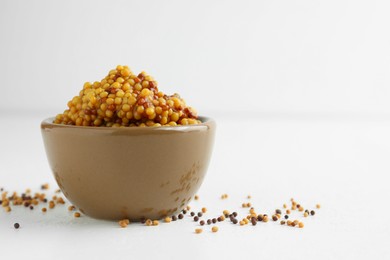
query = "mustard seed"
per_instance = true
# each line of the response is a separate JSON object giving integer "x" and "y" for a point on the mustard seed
{"x": 312, "y": 212}
{"x": 198, "y": 230}
{"x": 196, "y": 218}
{"x": 155, "y": 222}
{"x": 234, "y": 221}
{"x": 318, "y": 206}
{"x": 174, "y": 218}
{"x": 167, "y": 219}
{"x": 71, "y": 208}
{"x": 301, "y": 225}
{"x": 274, "y": 218}
{"x": 77, "y": 214}
{"x": 306, "y": 214}
{"x": 16, "y": 225}
{"x": 208, "y": 221}
{"x": 184, "y": 211}
{"x": 278, "y": 211}
{"x": 285, "y": 216}
{"x": 214, "y": 220}
{"x": 44, "y": 209}
{"x": 282, "y": 222}
{"x": 180, "y": 216}
{"x": 196, "y": 197}
{"x": 200, "y": 214}
{"x": 214, "y": 229}
{"x": 254, "y": 221}
{"x": 204, "y": 210}
{"x": 202, "y": 222}
{"x": 192, "y": 214}
{"x": 45, "y": 186}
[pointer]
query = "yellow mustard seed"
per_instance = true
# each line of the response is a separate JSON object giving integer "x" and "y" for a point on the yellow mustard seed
{"x": 77, "y": 214}
{"x": 214, "y": 229}
{"x": 198, "y": 230}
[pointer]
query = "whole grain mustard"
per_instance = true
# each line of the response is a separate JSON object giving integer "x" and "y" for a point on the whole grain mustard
{"x": 124, "y": 99}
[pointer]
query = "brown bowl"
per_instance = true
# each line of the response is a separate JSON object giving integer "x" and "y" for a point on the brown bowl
{"x": 129, "y": 172}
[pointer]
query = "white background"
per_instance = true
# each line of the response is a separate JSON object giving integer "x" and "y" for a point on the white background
{"x": 299, "y": 90}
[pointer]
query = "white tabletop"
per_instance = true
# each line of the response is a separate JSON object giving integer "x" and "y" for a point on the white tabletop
{"x": 338, "y": 161}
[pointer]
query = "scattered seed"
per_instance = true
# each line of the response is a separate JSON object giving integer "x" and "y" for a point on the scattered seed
{"x": 77, "y": 214}
{"x": 16, "y": 225}
{"x": 198, "y": 230}
{"x": 167, "y": 219}
{"x": 285, "y": 216}
{"x": 274, "y": 218}
{"x": 148, "y": 222}
{"x": 155, "y": 222}
{"x": 196, "y": 218}
{"x": 174, "y": 218}
{"x": 254, "y": 221}
{"x": 288, "y": 211}
{"x": 71, "y": 208}
{"x": 278, "y": 211}
{"x": 305, "y": 214}
{"x": 196, "y": 197}
{"x": 45, "y": 186}
{"x": 318, "y": 206}
{"x": 234, "y": 221}
{"x": 180, "y": 216}
{"x": 209, "y": 222}
{"x": 301, "y": 225}
{"x": 312, "y": 212}
{"x": 184, "y": 211}
{"x": 192, "y": 214}
{"x": 44, "y": 209}
{"x": 123, "y": 223}
{"x": 282, "y": 222}
{"x": 202, "y": 222}
{"x": 214, "y": 220}
{"x": 214, "y": 229}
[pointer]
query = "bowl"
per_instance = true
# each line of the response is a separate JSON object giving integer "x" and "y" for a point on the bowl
{"x": 129, "y": 172}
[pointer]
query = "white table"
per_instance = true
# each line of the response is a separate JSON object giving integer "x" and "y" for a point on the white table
{"x": 341, "y": 162}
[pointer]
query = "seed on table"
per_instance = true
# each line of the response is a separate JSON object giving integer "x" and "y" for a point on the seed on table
{"x": 196, "y": 197}
{"x": 234, "y": 214}
{"x": 214, "y": 229}
{"x": 31, "y": 207}
{"x": 301, "y": 225}
{"x": 155, "y": 222}
{"x": 318, "y": 206}
{"x": 188, "y": 208}
{"x": 234, "y": 221}
{"x": 306, "y": 214}
{"x": 44, "y": 209}
{"x": 198, "y": 230}
{"x": 242, "y": 223}
{"x": 7, "y": 209}
{"x": 282, "y": 222}
{"x": 196, "y": 218}
{"x": 296, "y": 222}
{"x": 226, "y": 212}
{"x": 312, "y": 212}
{"x": 77, "y": 214}
{"x": 289, "y": 222}
{"x": 208, "y": 221}
{"x": 288, "y": 211}
{"x": 214, "y": 220}
{"x": 45, "y": 186}
{"x": 249, "y": 196}
{"x": 71, "y": 208}
{"x": 16, "y": 225}
{"x": 301, "y": 208}
{"x": 167, "y": 219}
{"x": 274, "y": 218}
{"x": 285, "y": 216}
{"x": 285, "y": 206}
{"x": 123, "y": 223}
{"x": 184, "y": 211}
{"x": 202, "y": 222}
{"x": 254, "y": 221}
{"x": 192, "y": 214}
{"x": 148, "y": 222}
{"x": 204, "y": 210}
{"x": 278, "y": 211}
{"x": 180, "y": 216}
{"x": 200, "y": 214}
{"x": 265, "y": 219}
{"x": 260, "y": 217}
{"x": 174, "y": 218}
{"x": 51, "y": 204}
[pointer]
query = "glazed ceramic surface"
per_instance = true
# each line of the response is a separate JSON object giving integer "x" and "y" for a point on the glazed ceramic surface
{"x": 131, "y": 172}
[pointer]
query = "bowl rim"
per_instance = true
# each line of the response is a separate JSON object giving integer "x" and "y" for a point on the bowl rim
{"x": 207, "y": 122}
